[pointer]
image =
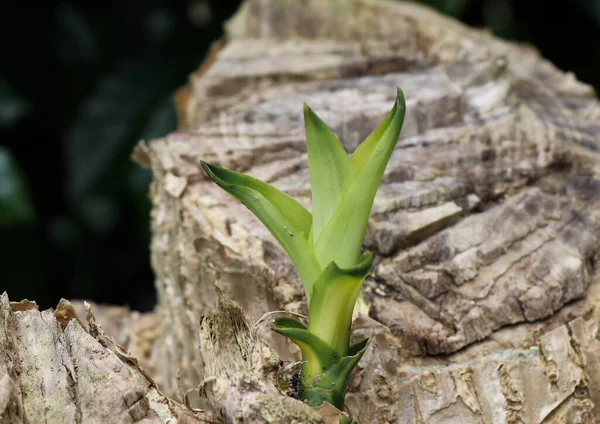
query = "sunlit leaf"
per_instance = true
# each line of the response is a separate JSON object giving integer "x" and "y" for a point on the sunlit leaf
{"x": 286, "y": 219}
{"x": 342, "y": 238}
{"x": 329, "y": 169}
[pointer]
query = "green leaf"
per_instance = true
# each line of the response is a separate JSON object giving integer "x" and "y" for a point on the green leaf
{"x": 357, "y": 347}
{"x": 331, "y": 306}
{"x": 332, "y": 384}
{"x": 342, "y": 238}
{"x": 289, "y": 323}
{"x": 329, "y": 169}
{"x": 344, "y": 419}
{"x": 381, "y": 143}
{"x": 317, "y": 353}
{"x": 286, "y": 219}
{"x": 339, "y": 374}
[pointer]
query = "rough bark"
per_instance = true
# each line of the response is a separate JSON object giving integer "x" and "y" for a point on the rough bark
{"x": 135, "y": 332}
{"x": 241, "y": 372}
{"x": 53, "y": 370}
{"x": 486, "y": 226}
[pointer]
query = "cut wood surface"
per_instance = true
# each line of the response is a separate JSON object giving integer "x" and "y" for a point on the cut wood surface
{"x": 487, "y": 223}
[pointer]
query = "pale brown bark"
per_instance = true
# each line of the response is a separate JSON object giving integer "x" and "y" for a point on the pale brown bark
{"x": 54, "y": 371}
{"x": 486, "y": 226}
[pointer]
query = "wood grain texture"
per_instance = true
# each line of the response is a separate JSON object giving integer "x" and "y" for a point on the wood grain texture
{"x": 54, "y": 373}
{"x": 487, "y": 222}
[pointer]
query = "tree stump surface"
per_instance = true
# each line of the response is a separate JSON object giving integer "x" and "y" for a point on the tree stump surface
{"x": 56, "y": 369}
{"x": 487, "y": 223}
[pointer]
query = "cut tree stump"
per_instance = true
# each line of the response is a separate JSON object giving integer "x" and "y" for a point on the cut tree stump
{"x": 483, "y": 301}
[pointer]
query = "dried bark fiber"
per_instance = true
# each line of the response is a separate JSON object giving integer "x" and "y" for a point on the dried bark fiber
{"x": 241, "y": 372}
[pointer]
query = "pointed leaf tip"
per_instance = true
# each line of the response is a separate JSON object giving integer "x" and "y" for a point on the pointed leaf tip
{"x": 342, "y": 237}
{"x": 288, "y": 221}
{"x": 356, "y": 348}
{"x": 289, "y": 323}
{"x": 208, "y": 170}
{"x": 329, "y": 166}
{"x": 400, "y": 98}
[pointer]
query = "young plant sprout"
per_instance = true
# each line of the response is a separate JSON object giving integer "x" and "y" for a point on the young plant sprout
{"x": 326, "y": 245}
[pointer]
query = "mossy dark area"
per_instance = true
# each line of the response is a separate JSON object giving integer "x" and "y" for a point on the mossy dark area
{"x": 81, "y": 82}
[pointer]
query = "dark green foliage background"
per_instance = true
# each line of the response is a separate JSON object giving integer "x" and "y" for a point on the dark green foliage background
{"x": 82, "y": 81}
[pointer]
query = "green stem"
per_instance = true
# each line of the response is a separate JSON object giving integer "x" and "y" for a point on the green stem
{"x": 331, "y": 384}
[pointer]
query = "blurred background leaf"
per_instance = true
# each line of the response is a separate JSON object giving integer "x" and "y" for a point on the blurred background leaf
{"x": 83, "y": 81}
{"x": 12, "y": 106}
{"x": 15, "y": 204}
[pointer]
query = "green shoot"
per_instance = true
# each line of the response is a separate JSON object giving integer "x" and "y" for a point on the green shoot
{"x": 326, "y": 245}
